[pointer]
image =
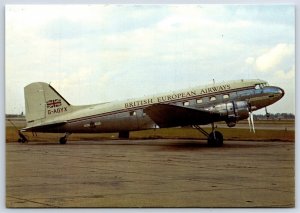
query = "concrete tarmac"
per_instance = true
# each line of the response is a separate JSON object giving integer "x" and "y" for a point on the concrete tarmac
{"x": 150, "y": 173}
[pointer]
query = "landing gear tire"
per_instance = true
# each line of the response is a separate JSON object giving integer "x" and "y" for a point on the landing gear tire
{"x": 215, "y": 139}
{"x": 21, "y": 140}
{"x": 63, "y": 140}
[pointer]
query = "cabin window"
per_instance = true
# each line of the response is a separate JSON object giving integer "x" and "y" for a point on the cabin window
{"x": 212, "y": 98}
{"x": 226, "y": 96}
{"x": 97, "y": 123}
{"x": 199, "y": 101}
{"x": 186, "y": 103}
{"x": 143, "y": 113}
{"x": 132, "y": 113}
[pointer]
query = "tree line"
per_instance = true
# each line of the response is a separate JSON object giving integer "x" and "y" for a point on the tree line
{"x": 274, "y": 116}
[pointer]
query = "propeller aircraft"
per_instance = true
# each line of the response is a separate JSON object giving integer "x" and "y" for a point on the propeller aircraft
{"x": 47, "y": 111}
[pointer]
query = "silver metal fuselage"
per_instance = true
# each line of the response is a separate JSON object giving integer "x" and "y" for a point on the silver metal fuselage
{"x": 129, "y": 115}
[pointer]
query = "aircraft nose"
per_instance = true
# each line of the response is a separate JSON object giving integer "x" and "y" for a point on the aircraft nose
{"x": 280, "y": 91}
{"x": 277, "y": 91}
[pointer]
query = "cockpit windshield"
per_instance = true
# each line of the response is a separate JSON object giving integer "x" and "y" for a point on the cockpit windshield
{"x": 261, "y": 85}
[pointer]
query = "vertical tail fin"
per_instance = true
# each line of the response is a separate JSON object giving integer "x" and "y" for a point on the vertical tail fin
{"x": 42, "y": 101}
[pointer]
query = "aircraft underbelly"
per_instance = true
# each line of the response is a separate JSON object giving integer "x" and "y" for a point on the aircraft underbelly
{"x": 110, "y": 124}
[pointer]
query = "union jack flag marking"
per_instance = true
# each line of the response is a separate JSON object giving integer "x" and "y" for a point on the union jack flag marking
{"x": 54, "y": 103}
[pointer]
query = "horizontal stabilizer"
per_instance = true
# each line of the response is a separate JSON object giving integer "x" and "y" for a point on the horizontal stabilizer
{"x": 44, "y": 126}
{"x": 166, "y": 115}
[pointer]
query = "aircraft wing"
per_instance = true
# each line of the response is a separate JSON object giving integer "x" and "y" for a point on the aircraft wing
{"x": 44, "y": 126}
{"x": 165, "y": 115}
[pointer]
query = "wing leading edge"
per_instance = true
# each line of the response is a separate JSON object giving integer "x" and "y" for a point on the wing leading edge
{"x": 165, "y": 115}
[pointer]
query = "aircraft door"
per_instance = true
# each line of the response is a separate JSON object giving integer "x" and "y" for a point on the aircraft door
{"x": 133, "y": 120}
{"x": 138, "y": 116}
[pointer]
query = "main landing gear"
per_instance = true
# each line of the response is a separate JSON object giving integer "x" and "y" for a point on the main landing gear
{"x": 124, "y": 135}
{"x": 22, "y": 138}
{"x": 63, "y": 140}
{"x": 214, "y": 139}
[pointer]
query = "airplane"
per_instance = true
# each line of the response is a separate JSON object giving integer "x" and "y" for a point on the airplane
{"x": 47, "y": 111}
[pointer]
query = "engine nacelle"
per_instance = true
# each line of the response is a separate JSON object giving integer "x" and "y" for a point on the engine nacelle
{"x": 232, "y": 112}
{"x": 231, "y": 123}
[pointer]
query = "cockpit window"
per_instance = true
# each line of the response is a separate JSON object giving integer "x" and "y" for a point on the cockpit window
{"x": 261, "y": 85}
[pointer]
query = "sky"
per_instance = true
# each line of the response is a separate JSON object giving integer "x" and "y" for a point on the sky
{"x": 100, "y": 53}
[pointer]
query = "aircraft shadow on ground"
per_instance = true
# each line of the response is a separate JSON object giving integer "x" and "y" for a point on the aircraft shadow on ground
{"x": 169, "y": 145}
{"x": 192, "y": 145}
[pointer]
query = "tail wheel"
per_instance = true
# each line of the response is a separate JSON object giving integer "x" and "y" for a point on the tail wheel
{"x": 21, "y": 140}
{"x": 215, "y": 139}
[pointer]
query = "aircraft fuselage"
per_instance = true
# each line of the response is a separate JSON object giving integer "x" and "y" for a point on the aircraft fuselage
{"x": 130, "y": 115}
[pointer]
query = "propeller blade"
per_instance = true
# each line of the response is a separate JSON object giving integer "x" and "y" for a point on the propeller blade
{"x": 249, "y": 122}
{"x": 252, "y": 121}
